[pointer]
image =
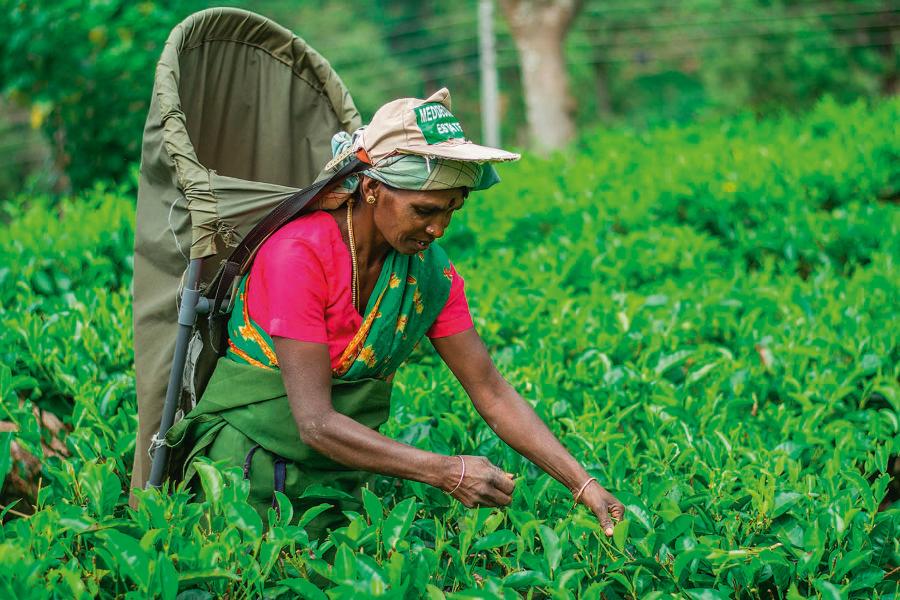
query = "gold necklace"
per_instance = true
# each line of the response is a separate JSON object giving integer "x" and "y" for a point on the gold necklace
{"x": 354, "y": 288}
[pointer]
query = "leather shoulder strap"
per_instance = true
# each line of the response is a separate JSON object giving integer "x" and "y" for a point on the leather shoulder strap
{"x": 238, "y": 263}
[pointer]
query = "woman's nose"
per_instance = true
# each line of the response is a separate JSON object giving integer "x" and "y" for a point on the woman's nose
{"x": 437, "y": 229}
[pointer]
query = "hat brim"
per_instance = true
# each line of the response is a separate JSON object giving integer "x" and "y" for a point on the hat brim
{"x": 460, "y": 150}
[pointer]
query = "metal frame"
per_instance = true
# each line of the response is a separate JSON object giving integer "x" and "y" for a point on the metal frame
{"x": 192, "y": 304}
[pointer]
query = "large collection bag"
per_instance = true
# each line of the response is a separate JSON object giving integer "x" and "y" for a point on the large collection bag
{"x": 241, "y": 118}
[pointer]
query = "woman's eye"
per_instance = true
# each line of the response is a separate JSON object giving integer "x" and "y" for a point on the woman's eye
{"x": 422, "y": 212}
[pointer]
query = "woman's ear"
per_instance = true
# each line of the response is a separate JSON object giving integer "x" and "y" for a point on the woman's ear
{"x": 367, "y": 185}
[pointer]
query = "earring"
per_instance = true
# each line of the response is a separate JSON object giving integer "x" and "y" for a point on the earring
{"x": 370, "y": 199}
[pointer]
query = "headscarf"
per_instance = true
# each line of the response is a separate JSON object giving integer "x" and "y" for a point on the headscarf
{"x": 404, "y": 171}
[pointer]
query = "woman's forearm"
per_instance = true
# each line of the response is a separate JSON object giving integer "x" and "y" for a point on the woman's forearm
{"x": 352, "y": 444}
{"x": 517, "y": 424}
{"x": 306, "y": 371}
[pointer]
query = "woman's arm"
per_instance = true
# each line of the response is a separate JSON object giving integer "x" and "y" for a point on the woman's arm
{"x": 306, "y": 370}
{"x": 515, "y": 421}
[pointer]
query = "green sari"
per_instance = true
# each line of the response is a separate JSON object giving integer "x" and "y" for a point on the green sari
{"x": 244, "y": 417}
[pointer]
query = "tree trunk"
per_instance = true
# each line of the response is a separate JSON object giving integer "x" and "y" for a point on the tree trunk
{"x": 539, "y": 28}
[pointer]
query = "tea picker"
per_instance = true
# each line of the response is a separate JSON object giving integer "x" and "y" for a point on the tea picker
{"x": 337, "y": 313}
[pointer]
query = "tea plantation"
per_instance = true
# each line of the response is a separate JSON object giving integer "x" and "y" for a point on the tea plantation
{"x": 706, "y": 315}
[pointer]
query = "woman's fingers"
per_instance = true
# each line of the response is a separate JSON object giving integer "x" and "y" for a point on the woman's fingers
{"x": 618, "y": 510}
{"x": 489, "y": 494}
{"x": 603, "y": 504}
{"x": 484, "y": 484}
{"x": 602, "y": 512}
{"x": 503, "y": 488}
{"x": 505, "y": 483}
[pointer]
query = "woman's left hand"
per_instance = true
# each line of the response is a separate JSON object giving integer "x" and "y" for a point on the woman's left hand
{"x": 603, "y": 504}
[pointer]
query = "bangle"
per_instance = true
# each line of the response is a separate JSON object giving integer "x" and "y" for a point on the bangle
{"x": 461, "y": 475}
{"x": 581, "y": 490}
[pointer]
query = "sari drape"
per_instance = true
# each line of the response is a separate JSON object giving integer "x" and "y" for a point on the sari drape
{"x": 244, "y": 417}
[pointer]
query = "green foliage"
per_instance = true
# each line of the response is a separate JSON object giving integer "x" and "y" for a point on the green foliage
{"x": 74, "y": 290}
{"x": 799, "y": 52}
{"x": 705, "y": 315}
{"x": 85, "y": 68}
{"x": 673, "y": 60}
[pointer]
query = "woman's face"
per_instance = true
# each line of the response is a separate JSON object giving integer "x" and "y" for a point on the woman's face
{"x": 410, "y": 220}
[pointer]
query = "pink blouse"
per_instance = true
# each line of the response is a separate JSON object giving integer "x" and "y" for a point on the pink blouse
{"x": 300, "y": 281}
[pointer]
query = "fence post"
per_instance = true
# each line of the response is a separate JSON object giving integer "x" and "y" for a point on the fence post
{"x": 490, "y": 95}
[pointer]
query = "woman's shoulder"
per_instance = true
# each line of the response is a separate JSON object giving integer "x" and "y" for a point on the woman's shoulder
{"x": 311, "y": 235}
{"x": 314, "y": 228}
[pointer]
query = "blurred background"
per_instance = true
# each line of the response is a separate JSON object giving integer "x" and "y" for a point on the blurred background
{"x": 76, "y": 75}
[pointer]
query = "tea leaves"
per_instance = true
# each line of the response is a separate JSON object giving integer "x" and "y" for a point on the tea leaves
{"x": 705, "y": 315}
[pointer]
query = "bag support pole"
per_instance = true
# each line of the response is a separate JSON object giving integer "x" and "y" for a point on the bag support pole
{"x": 191, "y": 304}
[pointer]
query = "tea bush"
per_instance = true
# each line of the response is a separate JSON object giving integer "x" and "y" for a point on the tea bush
{"x": 706, "y": 315}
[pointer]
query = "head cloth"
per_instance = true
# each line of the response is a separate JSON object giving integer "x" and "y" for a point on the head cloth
{"x": 414, "y": 144}
{"x": 405, "y": 172}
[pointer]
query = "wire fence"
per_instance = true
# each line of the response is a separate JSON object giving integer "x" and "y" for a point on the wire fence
{"x": 661, "y": 38}
{"x": 651, "y": 34}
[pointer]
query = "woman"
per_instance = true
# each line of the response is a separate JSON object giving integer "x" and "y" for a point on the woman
{"x": 336, "y": 300}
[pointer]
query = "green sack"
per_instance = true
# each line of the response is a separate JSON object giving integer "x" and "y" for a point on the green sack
{"x": 244, "y": 419}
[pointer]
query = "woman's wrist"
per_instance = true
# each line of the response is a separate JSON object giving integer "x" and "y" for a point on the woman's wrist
{"x": 574, "y": 476}
{"x": 445, "y": 472}
{"x": 462, "y": 474}
{"x": 577, "y": 495}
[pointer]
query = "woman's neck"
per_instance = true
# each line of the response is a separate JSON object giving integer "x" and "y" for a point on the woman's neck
{"x": 371, "y": 246}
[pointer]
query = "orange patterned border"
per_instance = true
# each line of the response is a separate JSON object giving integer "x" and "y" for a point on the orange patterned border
{"x": 355, "y": 346}
{"x": 252, "y": 361}
{"x": 248, "y": 332}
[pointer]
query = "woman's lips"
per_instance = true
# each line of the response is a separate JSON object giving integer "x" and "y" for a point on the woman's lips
{"x": 422, "y": 245}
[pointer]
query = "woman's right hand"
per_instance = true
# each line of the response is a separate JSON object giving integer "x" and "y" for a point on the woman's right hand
{"x": 602, "y": 504}
{"x": 483, "y": 484}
